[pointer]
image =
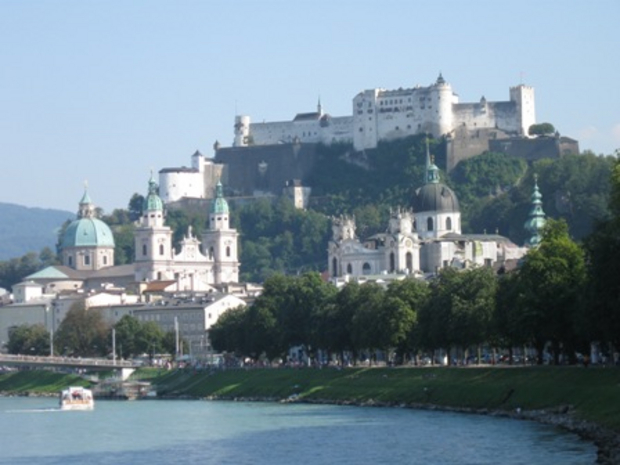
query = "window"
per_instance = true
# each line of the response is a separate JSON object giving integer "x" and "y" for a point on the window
{"x": 70, "y": 261}
{"x": 349, "y": 269}
{"x": 87, "y": 260}
{"x": 449, "y": 223}
{"x": 211, "y": 252}
{"x": 366, "y": 268}
{"x": 144, "y": 250}
{"x": 334, "y": 267}
{"x": 105, "y": 259}
{"x": 392, "y": 263}
{"x": 429, "y": 224}
{"x": 161, "y": 249}
{"x": 409, "y": 260}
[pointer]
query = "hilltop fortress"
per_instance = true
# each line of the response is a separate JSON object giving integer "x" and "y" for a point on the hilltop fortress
{"x": 380, "y": 114}
{"x": 269, "y": 157}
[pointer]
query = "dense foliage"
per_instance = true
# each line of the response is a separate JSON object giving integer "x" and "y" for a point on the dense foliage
{"x": 28, "y": 339}
{"x": 14, "y": 270}
{"x": 537, "y": 306}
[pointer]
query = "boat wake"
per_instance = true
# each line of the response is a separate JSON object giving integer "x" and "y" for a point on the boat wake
{"x": 35, "y": 410}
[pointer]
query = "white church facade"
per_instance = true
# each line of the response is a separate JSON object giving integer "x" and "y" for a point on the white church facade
{"x": 420, "y": 240}
{"x": 197, "y": 266}
{"x": 380, "y": 114}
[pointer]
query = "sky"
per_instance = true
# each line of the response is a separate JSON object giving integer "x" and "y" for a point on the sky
{"x": 106, "y": 91}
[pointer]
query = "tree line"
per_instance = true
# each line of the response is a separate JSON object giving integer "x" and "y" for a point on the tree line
{"x": 86, "y": 333}
{"x": 553, "y": 304}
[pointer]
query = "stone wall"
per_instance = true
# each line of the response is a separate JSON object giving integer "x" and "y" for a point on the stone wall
{"x": 265, "y": 169}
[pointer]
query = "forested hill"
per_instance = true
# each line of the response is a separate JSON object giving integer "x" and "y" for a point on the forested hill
{"x": 24, "y": 229}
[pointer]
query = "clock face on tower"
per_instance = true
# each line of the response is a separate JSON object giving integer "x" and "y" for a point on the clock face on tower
{"x": 408, "y": 243}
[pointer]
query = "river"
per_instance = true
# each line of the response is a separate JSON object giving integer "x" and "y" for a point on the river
{"x": 34, "y": 432}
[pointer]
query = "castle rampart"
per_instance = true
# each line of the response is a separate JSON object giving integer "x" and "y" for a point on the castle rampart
{"x": 380, "y": 114}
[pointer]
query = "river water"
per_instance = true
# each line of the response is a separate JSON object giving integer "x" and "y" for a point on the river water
{"x": 33, "y": 432}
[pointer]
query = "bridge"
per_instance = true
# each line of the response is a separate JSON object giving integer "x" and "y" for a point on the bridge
{"x": 126, "y": 367}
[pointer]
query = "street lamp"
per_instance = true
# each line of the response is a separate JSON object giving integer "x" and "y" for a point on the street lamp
{"x": 47, "y": 309}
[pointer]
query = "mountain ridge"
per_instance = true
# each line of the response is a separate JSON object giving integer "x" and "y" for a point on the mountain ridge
{"x": 28, "y": 229}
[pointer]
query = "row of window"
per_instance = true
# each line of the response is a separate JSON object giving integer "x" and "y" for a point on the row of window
{"x": 86, "y": 260}
{"x": 162, "y": 249}
{"x": 367, "y": 269}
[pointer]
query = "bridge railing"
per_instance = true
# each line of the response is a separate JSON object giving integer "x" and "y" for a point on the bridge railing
{"x": 73, "y": 361}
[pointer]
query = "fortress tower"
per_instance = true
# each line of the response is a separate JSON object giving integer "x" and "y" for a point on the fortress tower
{"x": 242, "y": 131}
{"x": 441, "y": 98}
{"x": 523, "y": 96}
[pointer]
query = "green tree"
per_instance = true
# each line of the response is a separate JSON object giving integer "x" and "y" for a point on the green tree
{"x": 83, "y": 332}
{"x": 552, "y": 279}
{"x": 541, "y": 129}
{"x": 29, "y": 340}
{"x": 332, "y": 322}
{"x": 602, "y": 319}
{"x": 365, "y": 320}
{"x": 414, "y": 294}
{"x": 227, "y": 334}
{"x": 136, "y": 203}
{"x": 150, "y": 339}
{"x": 510, "y": 326}
{"x": 460, "y": 309}
{"x": 126, "y": 333}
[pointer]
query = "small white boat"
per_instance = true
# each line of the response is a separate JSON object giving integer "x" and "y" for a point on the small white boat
{"x": 76, "y": 398}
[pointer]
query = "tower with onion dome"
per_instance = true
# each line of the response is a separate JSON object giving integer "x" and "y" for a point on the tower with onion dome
{"x": 435, "y": 205}
{"x": 219, "y": 241}
{"x": 153, "y": 239}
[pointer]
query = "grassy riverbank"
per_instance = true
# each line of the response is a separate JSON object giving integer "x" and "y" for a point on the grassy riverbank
{"x": 38, "y": 382}
{"x": 591, "y": 394}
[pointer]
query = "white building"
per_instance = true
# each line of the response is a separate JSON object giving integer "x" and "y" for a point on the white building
{"x": 196, "y": 266}
{"x": 191, "y": 316}
{"x": 380, "y": 114}
{"x": 196, "y": 182}
{"x": 419, "y": 241}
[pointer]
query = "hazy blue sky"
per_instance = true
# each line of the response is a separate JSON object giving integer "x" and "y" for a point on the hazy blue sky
{"x": 108, "y": 90}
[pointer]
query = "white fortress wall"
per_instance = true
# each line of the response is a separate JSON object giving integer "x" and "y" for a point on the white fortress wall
{"x": 338, "y": 129}
{"x": 176, "y": 184}
{"x": 391, "y": 114}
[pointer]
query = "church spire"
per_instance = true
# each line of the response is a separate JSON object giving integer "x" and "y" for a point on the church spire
{"x": 431, "y": 174}
{"x": 536, "y": 218}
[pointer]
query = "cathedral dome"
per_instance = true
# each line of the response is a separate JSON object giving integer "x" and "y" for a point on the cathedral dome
{"x": 88, "y": 232}
{"x": 435, "y": 197}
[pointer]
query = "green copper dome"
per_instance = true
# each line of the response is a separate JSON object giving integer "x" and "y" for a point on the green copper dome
{"x": 220, "y": 206}
{"x": 152, "y": 202}
{"x": 86, "y": 230}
